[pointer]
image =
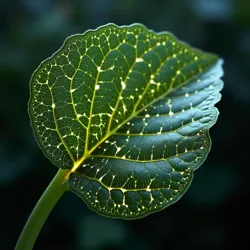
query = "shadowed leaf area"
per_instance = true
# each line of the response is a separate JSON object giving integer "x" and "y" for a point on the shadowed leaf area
{"x": 127, "y": 112}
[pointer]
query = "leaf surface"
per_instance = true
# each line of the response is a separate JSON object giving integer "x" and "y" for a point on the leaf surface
{"x": 127, "y": 111}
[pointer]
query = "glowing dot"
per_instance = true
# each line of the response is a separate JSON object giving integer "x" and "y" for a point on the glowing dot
{"x": 170, "y": 113}
{"x": 53, "y": 105}
{"x": 72, "y": 90}
{"x": 196, "y": 58}
{"x": 138, "y": 60}
{"x": 186, "y": 95}
{"x": 97, "y": 87}
{"x": 147, "y": 115}
{"x": 178, "y": 72}
{"x": 78, "y": 115}
{"x": 123, "y": 85}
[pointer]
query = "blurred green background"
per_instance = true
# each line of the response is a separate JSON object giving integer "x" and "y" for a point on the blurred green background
{"x": 211, "y": 215}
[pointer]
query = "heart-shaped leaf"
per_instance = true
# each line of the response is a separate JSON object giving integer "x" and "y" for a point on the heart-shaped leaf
{"x": 127, "y": 112}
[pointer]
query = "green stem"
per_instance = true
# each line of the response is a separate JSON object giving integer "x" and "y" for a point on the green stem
{"x": 41, "y": 211}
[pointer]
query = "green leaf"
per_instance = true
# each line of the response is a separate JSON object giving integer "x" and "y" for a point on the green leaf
{"x": 127, "y": 112}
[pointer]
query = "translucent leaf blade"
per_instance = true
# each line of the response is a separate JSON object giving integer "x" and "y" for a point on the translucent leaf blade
{"x": 127, "y": 111}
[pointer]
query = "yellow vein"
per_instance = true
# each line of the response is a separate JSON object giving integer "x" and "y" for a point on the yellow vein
{"x": 155, "y": 73}
{"x": 126, "y": 189}
{"x": 57, "y": 127}
{"x": 92, "y": 106}
{"x": 125, "y": 80}
{"x": 71, "y": 92}
{"x": 180, "y": 69}
{"x": 142, "y": 161}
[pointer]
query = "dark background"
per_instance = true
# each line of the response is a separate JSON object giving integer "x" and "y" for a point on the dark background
{"x": 213, "y": 213}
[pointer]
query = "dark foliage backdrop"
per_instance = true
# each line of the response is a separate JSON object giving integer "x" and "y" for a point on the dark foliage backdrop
{"x": 213, "y": 214}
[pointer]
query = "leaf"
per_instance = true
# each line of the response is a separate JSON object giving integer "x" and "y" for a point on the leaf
{"x": 127, "y": 111}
